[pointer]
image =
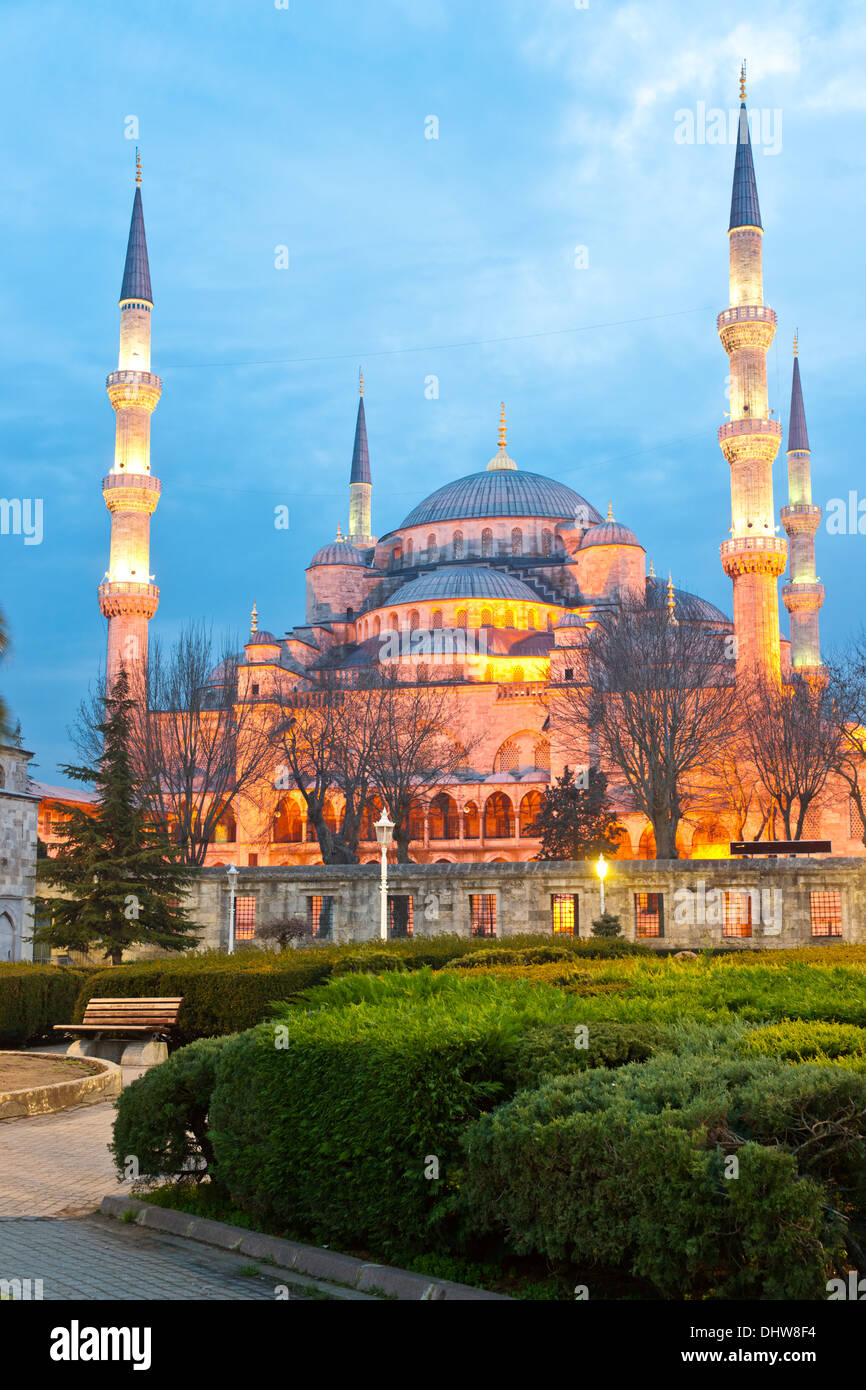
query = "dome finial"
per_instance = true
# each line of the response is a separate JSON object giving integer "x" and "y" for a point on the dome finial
{"x": 137, "y": 165}
{"x": 500, "y": 459}
{"x": 503, "y": 442}
{"x": 743, "y": 81}
{"x": 339, "y": 535}
{"x": 671, "y": 601}
{"x": 361, "y": 380}
{"x": 796, "y": 342}
{"x": 254, "y": 620}
{"x": 610, "y": 511}
{"x": 652, "y": 573}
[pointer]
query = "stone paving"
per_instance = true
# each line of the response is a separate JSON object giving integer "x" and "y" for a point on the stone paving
{"x": 57, "y": 1165}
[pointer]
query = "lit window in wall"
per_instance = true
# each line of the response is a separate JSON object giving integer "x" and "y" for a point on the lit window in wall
{"x": 482, "y": 914}
{"x": 320, "y": 915}
{"x": 738, "y": 914}
{"x": 826, "y": 910}
{"x": 245, "y": 919}
{"x": 564, "y": 912}
{"x": 649, "y": 916}
{"x": 401, "y": 915}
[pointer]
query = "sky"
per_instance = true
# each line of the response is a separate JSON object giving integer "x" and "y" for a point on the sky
{"x": 480, "y": 200}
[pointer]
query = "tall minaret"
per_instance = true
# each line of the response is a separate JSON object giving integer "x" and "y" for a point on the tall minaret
{"x": 754, "y": 557}
{"x": 804, "y": 594}
{"x": 126, "y": 596}
{"x": 360, "y": 483}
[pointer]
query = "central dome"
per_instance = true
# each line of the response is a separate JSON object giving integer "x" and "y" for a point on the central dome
{"x": 503, "y": 492}
{"x": 464, "y": 581}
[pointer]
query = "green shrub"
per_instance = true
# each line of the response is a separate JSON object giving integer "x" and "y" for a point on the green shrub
{"x": 162, "y": 1116}
{"x": 330, "y": 1126}
{"x": 367, "y": 962}
{"x": 35, "y": 997}
{"x": 555, "y": 1049}
{"x": 626, "y": 1170}
{"x": 799, "y": 1040}
{"x": 607, "y": 925}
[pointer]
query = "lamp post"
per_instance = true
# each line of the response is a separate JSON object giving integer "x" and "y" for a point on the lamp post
{"x": 233, "y": 878}
{"x": 601, "y": 870}
{"x": 384, "y": 834}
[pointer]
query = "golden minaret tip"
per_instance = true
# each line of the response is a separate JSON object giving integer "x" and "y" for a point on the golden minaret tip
{"x": 743, "y": 81}
{"x": 796, "y": 342}
{"x": 339, "y": 535}
{"x": 610, "y": 511}
{"x": 361, "y": 380}
{"x": 137, "y": 165}
{"x": 254, "y": 620}
{"x": 502, "y": 439}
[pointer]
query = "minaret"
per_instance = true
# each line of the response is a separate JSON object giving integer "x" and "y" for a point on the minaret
{"x": 360, "y": 483}
{"x": 754, "y": 557}
{"x": 804, "y": 594}
{"x": 126, "y": 596}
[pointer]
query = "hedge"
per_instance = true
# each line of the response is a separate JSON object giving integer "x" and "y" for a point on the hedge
{"x": 626, "y": 1170}
{"x": 33, "y": 998}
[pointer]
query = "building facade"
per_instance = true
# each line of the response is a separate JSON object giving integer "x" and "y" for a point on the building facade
{"x": 19, "y": 806}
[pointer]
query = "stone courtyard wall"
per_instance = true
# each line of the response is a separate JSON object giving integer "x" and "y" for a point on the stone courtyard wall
{"x": 785, "y": 898}
{"x": 18, "y": 813}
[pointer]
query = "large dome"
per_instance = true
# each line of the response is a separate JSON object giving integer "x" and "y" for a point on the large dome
{"x": 502, "y": 492}
{"x": 464, "y": 581}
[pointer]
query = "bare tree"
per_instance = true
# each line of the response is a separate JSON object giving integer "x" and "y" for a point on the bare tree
{"x": 656, "y": 698}
{"x": 793, "y": 743}
{"x": 846, "y": 692}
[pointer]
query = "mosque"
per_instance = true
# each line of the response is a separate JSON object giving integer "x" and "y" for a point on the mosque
{"x": 492, "y": 580}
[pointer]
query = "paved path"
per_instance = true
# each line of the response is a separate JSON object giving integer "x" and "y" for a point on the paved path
{"x": 57, "y": 1165}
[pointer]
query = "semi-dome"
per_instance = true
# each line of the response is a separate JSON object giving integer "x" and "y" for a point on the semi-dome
{"x": 337, "y": 553}
{"x": 502, "y": 492}
{"x": 686, "y": 605}
{"x": 464, "y": 581}
{"x": 609, "y": 533}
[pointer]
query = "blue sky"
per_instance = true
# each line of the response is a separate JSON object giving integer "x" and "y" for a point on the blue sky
{"x": 305, "y": 127}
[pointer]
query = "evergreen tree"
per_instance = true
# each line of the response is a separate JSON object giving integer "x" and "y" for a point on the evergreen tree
{"x": 575, "y": 821}
{"x": 116, "y": 869}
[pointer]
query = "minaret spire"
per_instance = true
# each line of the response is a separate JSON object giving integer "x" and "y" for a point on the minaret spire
{"x": 360, "y": 481}
{"x": 803, "y": 595}
{"x": 501, "y": 458}
{"x": 754, "y": 557}
{"x": 127, "y": 597}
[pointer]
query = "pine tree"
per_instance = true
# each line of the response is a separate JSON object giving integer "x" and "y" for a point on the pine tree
{"x": 116, "y": 870}
{"x": 575, "y": 821}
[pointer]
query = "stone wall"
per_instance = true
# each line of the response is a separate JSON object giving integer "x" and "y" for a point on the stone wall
{"x": 779, "y": 896}
{"x": 18, "y": 813}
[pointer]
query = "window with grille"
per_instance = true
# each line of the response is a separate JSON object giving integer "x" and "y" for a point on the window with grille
{"x": 649, "y": 914}
{"x": 487, "y": 541}
{"x": 855, "y": 820}
{"x": 738, "y": 914}
{"x": 563, "y": 907}
{"x": 812, "y": 824}
{"x": 401, "y": 914}
{"x": 245, "y": 919}
{"x": 458, "y": 545}
{"x": 542, "y": 755}
{"x": 508, "y": 757}
{"x": 826, "y": 908}
{"x": 482, "y": 914}
{"x": 320, "y": 915}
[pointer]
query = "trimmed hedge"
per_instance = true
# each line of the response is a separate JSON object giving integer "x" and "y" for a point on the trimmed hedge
{"x": 627, "y": 1171}
{"x": 35, "y": 997}
{"x": 162, "y": 1116}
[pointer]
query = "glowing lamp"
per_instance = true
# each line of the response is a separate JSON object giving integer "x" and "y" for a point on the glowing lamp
{"x": 384, "y": 834}
{"x": 601, "y": 870}
{"x": 384, "y": 830}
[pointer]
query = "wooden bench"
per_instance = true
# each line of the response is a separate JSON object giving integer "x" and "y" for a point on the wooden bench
{"x": 108, "y": 1022}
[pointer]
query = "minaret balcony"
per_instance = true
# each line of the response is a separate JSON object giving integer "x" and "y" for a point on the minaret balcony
{"x": 746, "y": 326}
{"x": 131, "y": 492}
{"x": 754, "y": 555}
{"x": 123, "y": 598}
{"x": 802, "y": 518}
{"x": 753, "y": 437}
{"x": 805, "y": 597}
{"x": 128, "y": 389}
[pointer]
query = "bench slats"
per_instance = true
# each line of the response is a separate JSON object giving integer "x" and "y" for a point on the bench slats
{"x": 127, "y": 1015}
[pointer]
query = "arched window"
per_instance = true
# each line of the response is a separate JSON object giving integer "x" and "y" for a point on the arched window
{"x": 517, "y": 541}
{"x": 532, "y": 619}
{"x": 287, "y": 823}
{"x": 436, "y": 620}
{"x": 410, "y": 551}
{"x": 431, "y": 548}
{"x": 457, "y": 545}
{"x": 517, "y": 674}
{"x": 486, "y": 617}
{"x": 509, "y": 617}
{"x": 225, "y": 830}
{"x": 396, "y": 555}
{"x": 530, "y": 807}
{"x": 487, "y": 541}
{"x": 546, "y": 542}
{"x": 7, "y": 936}
{"x": 508, "y": 757}
{"x": 461, "y": 619}
{"x": 542, "y": 755}
{"x": 377, "y": 627}
{"x": 414, "y": 620}
{"x": 443, "y": 818}
{"x": 393, "y": 622}
{"x": 498, "y": 818}
{"x": 416, "y": 821}
{"x": 470, "y": 821}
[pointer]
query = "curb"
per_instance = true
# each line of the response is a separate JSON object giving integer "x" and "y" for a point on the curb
{"x": 311, "y": 1260}
{"x": 60, "y": 1095}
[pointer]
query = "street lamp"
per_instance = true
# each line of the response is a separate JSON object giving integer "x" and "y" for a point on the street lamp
{"x": 601, "y": 870}
{"x": 233, "y": 879}
{"x": 384, "y": 834}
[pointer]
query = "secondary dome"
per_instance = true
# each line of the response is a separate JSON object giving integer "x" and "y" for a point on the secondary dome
{"x": 502, "y": 492}
{"x": 464, "y": 581}
{"x": 609, "y": 533}
{"x": 686, "y": 605}
{"x": 337, "y": 553}
{"x": 263, "y": 639}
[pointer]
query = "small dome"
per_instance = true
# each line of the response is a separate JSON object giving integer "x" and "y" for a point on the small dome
{"x": 689, "y": 606}
{"x": 263, "y": 639}
{"x": 609, "y": 533}
{"x": 571, "y": 620}
{"x": 337, "y": 553}
{"x": 465, "y": 581}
